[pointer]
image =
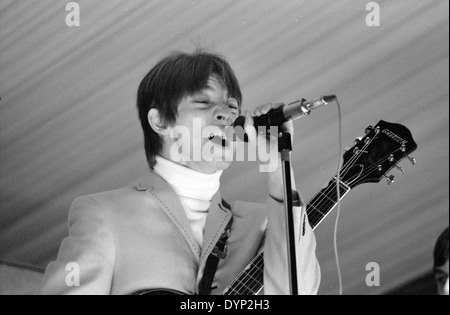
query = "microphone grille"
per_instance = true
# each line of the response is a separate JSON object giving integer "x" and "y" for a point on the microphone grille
{"x": 329, "y": 98}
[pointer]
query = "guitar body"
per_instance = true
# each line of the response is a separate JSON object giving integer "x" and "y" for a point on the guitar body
{"x": 159, "y": 292}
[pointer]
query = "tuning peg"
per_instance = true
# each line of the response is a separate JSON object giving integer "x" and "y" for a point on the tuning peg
{"x": 389, "y": 179}
{"x": 412, "y": 160}
{"x": 400, "y": 169}
{"x": 358, "y": 140}
{"x": 369, "y": 129}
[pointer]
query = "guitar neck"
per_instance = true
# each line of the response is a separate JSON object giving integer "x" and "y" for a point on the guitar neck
{"x": 325, "y": 201}
{"x": 251, "y": 280}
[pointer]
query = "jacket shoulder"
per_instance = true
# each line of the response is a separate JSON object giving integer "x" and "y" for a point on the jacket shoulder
{"x": 109, "y": 201}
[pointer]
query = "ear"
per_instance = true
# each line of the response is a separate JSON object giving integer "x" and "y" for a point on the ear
{"x": 155, "y": 121}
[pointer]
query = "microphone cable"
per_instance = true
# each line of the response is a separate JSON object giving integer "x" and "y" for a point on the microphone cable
{"x": 338, "y": 184}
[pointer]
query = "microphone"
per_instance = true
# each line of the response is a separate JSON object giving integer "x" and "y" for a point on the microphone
{"x": 292, "y": 111}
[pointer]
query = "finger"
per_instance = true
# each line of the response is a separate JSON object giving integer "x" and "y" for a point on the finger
{"x": 267, "y": 108}
{"x": 262, "y": 110}
{"x": 257, "y": 112}
{"x": 278, "y": 105}
{"x": 249, "y": 128}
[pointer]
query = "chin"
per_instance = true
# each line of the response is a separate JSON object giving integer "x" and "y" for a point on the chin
{"x": 221, "y": 166}
{"x": 211, "y": 167}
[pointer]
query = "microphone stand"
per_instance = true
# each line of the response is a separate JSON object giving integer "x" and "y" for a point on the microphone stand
{"x": 285, "y": 148}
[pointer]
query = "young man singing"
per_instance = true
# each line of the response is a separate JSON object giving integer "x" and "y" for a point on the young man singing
{"x": 172, "y": 230}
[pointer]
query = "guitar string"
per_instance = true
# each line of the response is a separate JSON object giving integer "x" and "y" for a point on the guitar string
{"x": 253, "y": 275}
{"x": 323, "y": 194}
{"x": 249, "y": 276}
{"x": 243, "y": 273}
{"x": 365, "y": 173}
{"x": 247, "y": 273}
{"x": 372, "y": 168}
{"x": 345, "y": 166}
{"x": 330, "y": 190}
{"x": 246, "y": 284}
{"x": 249, "y": 282}
{"x": 314, "y": 213}
{"x": 233, "y": 286}
{"x": 259, "y": 279}
{"x": 338, "y": 177}
{"x": 252, "y": 283}
{"x": 258, "y": 276}
{"x": 255, "y": 283}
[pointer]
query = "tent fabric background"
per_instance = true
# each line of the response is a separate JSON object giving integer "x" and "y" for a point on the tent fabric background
{"x": 69, "y": 127}
{"x": 18, "y": 279}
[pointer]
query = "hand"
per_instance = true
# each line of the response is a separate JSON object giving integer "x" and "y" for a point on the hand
{"x": 255, "y": 138}
{"x": 271, "y": 142}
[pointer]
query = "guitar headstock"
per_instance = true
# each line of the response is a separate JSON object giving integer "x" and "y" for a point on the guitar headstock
{"x": 373, "y": 156}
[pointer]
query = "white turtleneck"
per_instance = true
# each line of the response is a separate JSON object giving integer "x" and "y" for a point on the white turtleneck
{"x": 194, "y": 189}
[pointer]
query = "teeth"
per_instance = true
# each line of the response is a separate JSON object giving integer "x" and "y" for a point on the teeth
{"x": 222, "y": 137}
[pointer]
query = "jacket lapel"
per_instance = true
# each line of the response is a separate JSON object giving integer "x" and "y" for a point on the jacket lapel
{"x": 217, "y": 220}
{"x": 166, "y": 198}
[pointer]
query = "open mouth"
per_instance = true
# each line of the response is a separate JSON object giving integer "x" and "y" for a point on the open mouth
{"x": 219, "y": 139}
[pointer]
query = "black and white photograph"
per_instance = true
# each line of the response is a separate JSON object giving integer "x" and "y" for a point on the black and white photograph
{"x": 194, "y": 149}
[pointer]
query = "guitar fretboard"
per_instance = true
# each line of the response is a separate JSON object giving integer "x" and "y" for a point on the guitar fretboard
{"x": 251, "y": 280}
{"x": 325, "y": 201}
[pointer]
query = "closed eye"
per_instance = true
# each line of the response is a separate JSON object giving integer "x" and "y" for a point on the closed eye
{"x": 234, "y": 108}
{"x": 202, "y": 103}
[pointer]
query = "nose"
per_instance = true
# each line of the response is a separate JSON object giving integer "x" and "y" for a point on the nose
{"x": 224, "y": 115}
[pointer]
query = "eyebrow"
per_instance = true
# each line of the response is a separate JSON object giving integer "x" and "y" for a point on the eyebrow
{"x": 211, "y": 89}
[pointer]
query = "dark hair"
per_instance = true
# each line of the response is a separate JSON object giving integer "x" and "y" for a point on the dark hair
{"x": 174, "y": 77}
{"x": 441, "y": 249}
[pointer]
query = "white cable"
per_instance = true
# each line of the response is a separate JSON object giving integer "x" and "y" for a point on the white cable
{"x": 338, "y": 179}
